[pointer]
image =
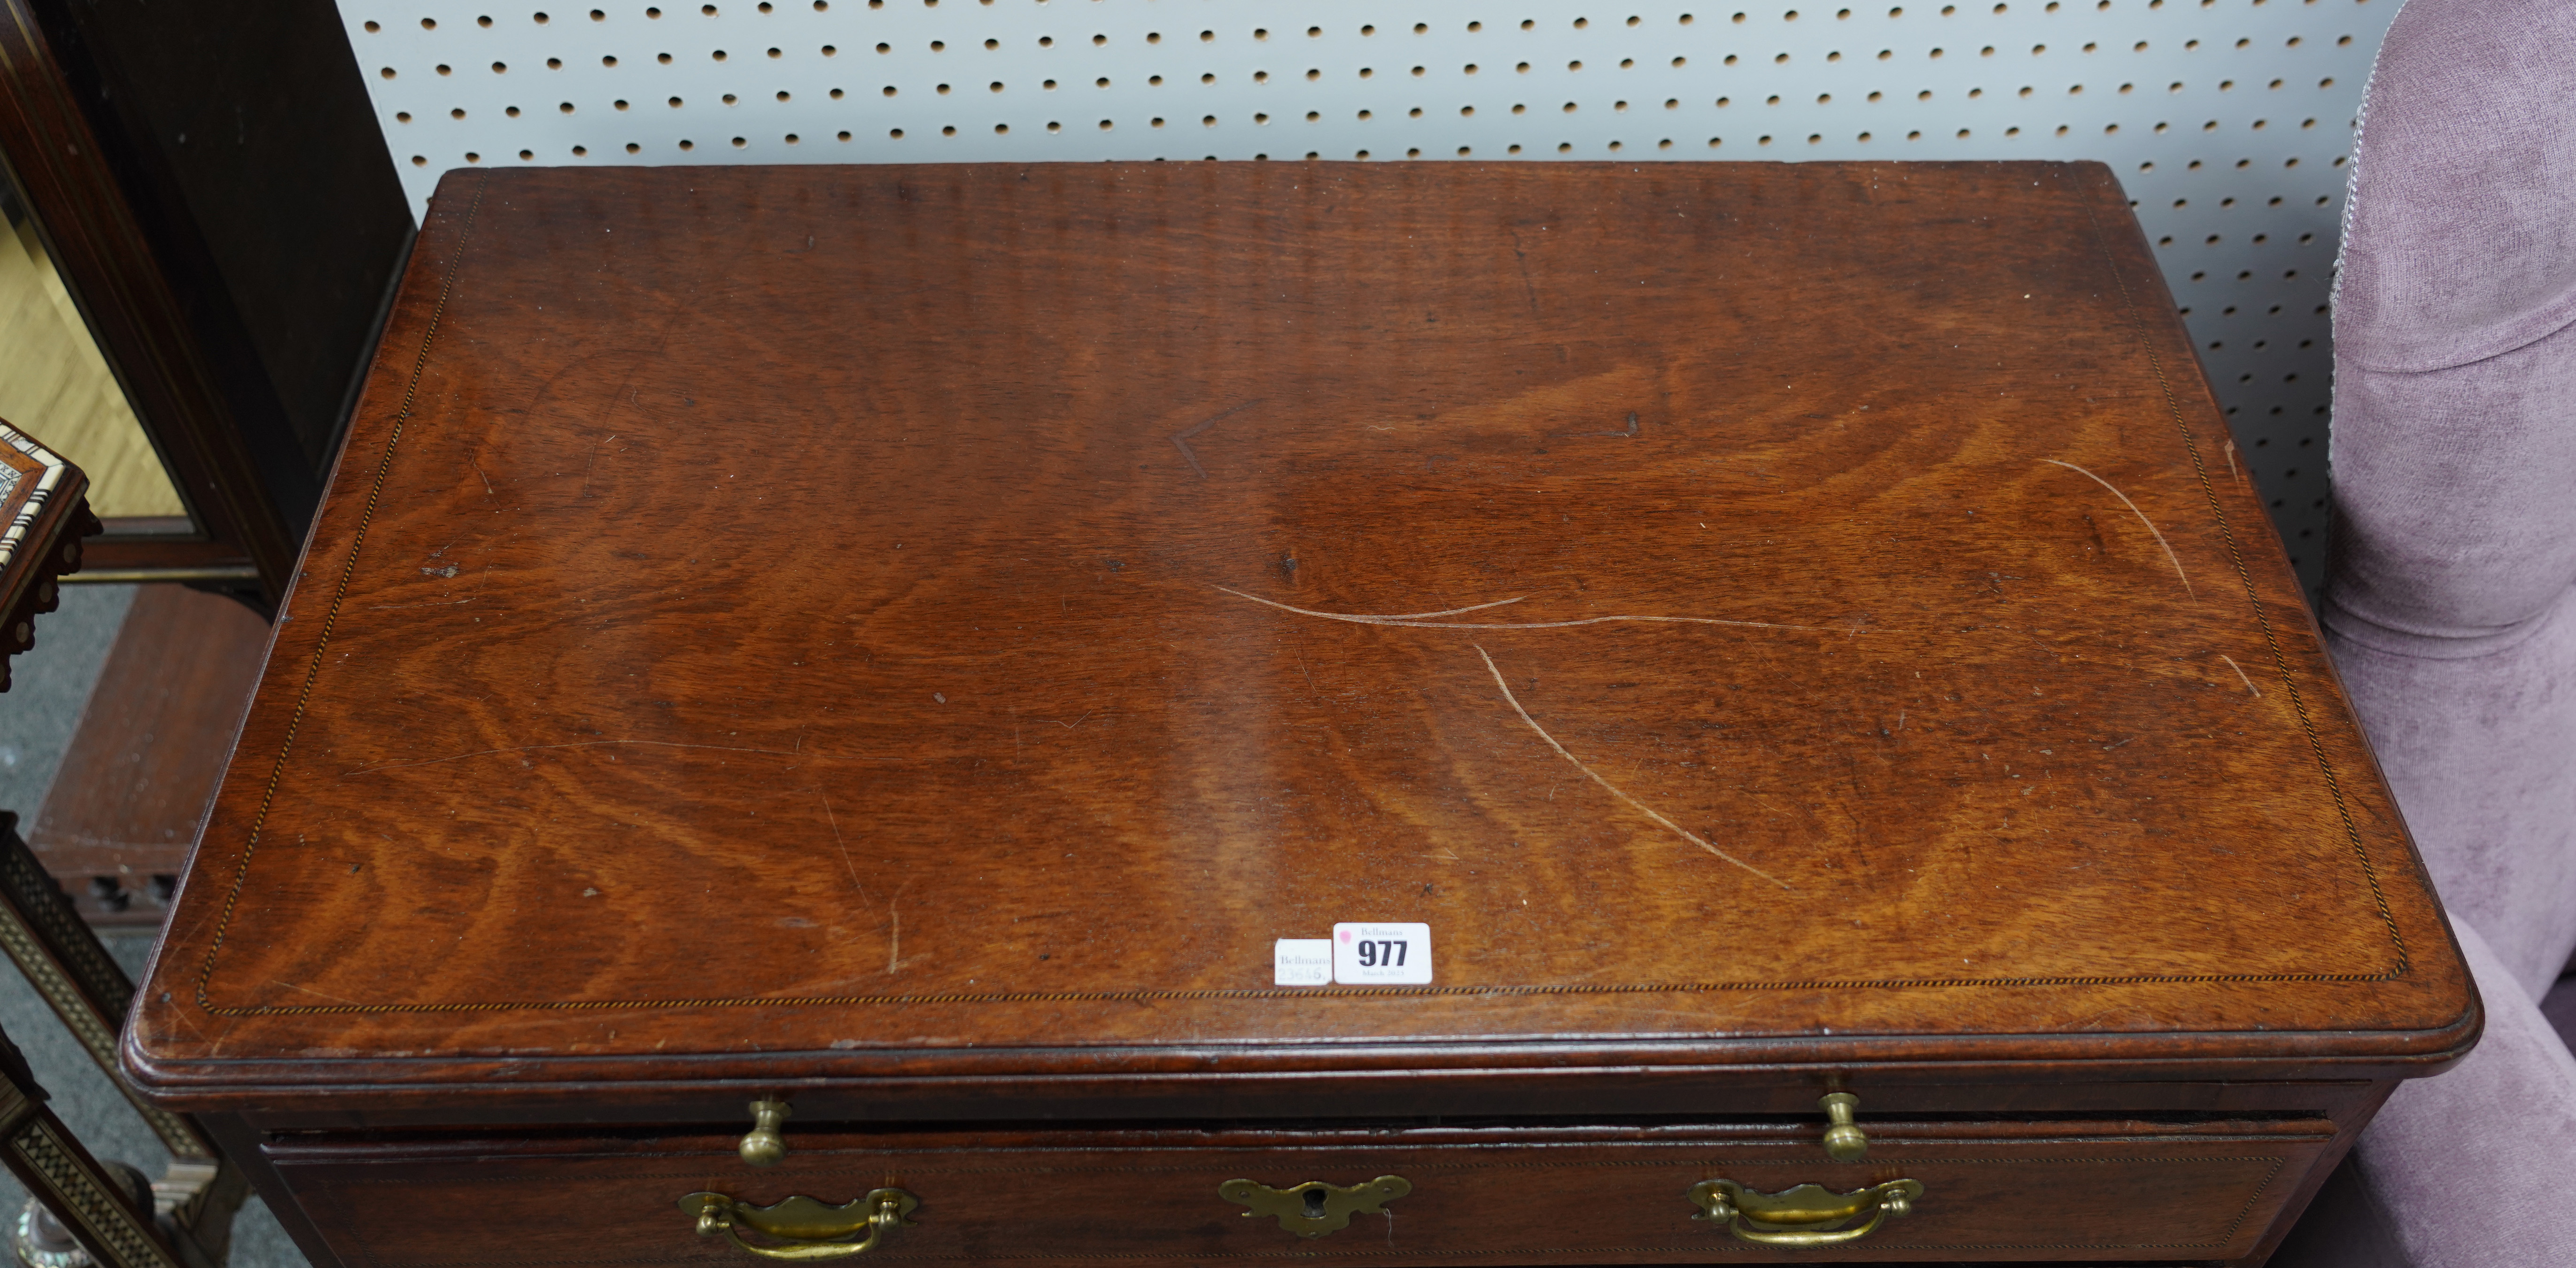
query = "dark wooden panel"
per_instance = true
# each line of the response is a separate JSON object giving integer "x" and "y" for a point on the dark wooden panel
{"x": 250, "y": 147}
{"x": 1641, "y": 1093}
{"x": 1846, "y": 649}
{"x": 2010, "y": 1192}
{"x": 152, "y": 742}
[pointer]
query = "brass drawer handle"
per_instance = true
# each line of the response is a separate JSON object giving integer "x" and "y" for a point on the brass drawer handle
{"x": 1315, "y": 1208}
{"x": 804, "y": 1228}
{"x": 1808, "y": 1215}
{"x": 1844, "y": 1140}
{"x": 765, "y": 1145}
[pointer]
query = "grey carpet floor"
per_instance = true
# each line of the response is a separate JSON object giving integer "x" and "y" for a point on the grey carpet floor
{"x": 37, "y": 715}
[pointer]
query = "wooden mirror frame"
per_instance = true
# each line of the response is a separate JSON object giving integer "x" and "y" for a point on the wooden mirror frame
{"x": 121, "y": 225}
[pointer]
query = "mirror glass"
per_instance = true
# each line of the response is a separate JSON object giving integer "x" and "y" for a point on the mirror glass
{"x": 55, "y": 385}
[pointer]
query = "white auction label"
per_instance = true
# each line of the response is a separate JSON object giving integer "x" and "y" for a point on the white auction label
{"x": 1302, "y": 962}
{"x": 1381, "y": 955}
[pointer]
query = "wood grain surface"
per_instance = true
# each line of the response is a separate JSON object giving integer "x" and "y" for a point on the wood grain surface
{"x": 814, "y": 623}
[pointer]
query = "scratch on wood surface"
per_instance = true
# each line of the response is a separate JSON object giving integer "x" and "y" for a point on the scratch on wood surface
{"x": 2240, "y": 675}
{"x": 312, "y": 992}
{"x": 532, "y": 748}
{"x": 2170, "y": 557}
{"x": 894, "y": 930}
{"x": 1181, "y": 439}
{"x": 1522, "y": 258}
{"x": 1686, "y": 834}
{"x": 2232, "y": 472}
{"x": 1414, "y": 620}
{"x": 1630, "y": 431}
{"x": 837, "y": 843}
{"x": 488, "y": 490}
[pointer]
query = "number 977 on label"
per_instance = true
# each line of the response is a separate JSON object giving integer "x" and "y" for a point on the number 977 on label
{"x": 1381, "y": 955}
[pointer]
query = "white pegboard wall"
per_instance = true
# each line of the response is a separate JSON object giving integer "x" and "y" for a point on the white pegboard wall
{"x": 2229, "y": 121}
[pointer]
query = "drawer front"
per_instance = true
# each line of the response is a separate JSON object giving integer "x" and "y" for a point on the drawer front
{"x": 2034, "y": 1192}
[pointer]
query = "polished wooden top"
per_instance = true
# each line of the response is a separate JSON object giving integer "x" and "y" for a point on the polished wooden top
{"x": 845, "y": 621}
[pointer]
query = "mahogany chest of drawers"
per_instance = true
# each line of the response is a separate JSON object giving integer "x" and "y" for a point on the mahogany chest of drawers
{"x": 1383, "y": 714}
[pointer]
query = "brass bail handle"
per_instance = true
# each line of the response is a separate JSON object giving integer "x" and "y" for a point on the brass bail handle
{"x": 763, "y": 1145}
{"x": 801, "y": 1228}
{"x": 1844, "y": 1141}
{"x": 1809, "y": 1215}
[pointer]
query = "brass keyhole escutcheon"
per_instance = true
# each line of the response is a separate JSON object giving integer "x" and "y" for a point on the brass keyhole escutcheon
{"x": 1843, "y": 1139}
{"x": 1315, "y": 1208}
{"x": 764, "y": 1145}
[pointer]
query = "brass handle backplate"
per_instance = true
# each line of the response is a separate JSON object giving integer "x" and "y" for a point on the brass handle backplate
{"x": 1808, "y": 1215}
{"x": 1315, "y": 1208}
{"x": 802, "y": 1228}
